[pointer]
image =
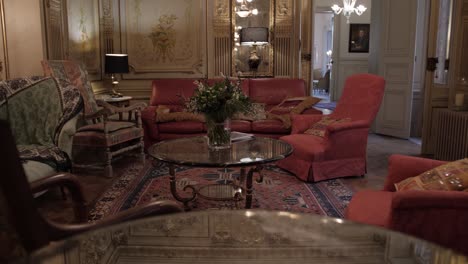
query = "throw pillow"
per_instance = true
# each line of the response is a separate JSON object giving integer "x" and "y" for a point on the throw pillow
{"x": 452, "y": 176}
{"x": 319, "y": 128}
{"x": 258, "y": 113}
{"x": 294, "y": 105}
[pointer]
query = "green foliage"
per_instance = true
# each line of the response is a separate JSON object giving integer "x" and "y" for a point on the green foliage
{"x": 219, "y": 101}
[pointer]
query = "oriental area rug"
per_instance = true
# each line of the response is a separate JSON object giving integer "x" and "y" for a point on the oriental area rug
{"x": 279, "y": 190}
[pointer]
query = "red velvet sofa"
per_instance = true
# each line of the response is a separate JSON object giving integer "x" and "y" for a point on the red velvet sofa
{"x": 168, "y": 92}
{"x": 437, "y": 216}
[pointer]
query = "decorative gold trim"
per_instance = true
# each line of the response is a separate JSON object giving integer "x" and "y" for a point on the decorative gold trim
{"x": 270, "y": 48}
{"x": 4, "y": 38}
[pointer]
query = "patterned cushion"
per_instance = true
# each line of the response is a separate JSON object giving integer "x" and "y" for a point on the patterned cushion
{"x": 258, "y": 113}
{"x": 111, "y": 126}
{"x": 98, "y": 139}
{"x": 50, "y": 155}
{"x": 294, "y": 105}
{"x": 77, "y": 75}
{"x": 319, "y": 128}
{"x": 451, "y": 176}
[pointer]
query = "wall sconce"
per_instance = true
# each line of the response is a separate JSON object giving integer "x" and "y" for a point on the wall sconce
{"x": 254, "y": 36}
{"x": 116, "y": 63}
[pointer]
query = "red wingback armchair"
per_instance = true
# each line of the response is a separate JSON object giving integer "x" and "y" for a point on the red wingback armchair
{"x": 437, "y": 216}
{"x": 342, "y": 152}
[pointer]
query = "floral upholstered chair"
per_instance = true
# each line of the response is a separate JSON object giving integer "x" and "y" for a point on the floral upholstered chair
{"x": 100, "y": 139}
{"x": 42, "y": 114}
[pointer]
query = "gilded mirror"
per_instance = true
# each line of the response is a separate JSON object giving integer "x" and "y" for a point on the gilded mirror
{"x": 252, "y": 29}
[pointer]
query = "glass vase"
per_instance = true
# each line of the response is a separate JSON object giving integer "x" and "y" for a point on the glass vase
{"x": 218, "y": 133}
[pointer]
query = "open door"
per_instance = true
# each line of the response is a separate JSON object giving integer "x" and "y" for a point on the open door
{"x": 395, "y": 63}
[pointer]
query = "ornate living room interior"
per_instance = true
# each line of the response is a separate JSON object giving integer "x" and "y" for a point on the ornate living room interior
{"x": 357, "y": 116}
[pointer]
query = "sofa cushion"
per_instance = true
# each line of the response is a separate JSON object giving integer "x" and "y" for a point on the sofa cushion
{"x": 179, "y": 116}
{"x": 181, "y": 127}
{"x": 269, "y": 126}
{"x": 258, "y": 113}
{"x": 98, "y": 139}
{"x": 241, "y": 126}
{"x": 371, "y": 207}
{"x": 273, "y": 91}
{"x": 111, "y": 126}
{"x": 452, "y": 176}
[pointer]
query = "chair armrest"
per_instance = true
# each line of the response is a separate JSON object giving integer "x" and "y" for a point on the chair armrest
{"x": 114, "y": 109}
{"x": 149, "y": 114}
{"x": 401, "y": 167}
{"x": 73, "y": 185}
{"x": 99, "y": 114}
{"x": 61, "y": 231}
{"x": 337, "y": 127}
{"x": 300, "y": 123}
{"x": 419, "y": 200}
{"x": 436, "y": 216}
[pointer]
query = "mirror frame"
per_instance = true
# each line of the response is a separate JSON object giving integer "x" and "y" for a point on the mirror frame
{"x": 268, "y": 72}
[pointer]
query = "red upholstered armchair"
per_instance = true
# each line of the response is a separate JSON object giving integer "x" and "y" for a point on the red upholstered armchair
{"x": 342, "y": 151}
{"x": 437, "y": 216}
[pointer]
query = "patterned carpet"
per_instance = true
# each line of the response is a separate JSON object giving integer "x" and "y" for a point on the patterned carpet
{"x": 279, "y": 190}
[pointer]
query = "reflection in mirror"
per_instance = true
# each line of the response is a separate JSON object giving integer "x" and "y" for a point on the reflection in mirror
{"x": 443, "y": 41}
{"x": 252, "y": 23}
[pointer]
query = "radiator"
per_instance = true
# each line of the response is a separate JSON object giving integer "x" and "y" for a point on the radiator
{"x": 450, "y": 135}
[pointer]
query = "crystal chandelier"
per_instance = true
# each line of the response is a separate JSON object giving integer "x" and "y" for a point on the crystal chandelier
{"x": 243, "y": 10}
{"x": 348, "y": 8}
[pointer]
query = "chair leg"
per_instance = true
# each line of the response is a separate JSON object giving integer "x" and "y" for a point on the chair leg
{"x": 142, "y": 151}
{"x": 108, "y": 169}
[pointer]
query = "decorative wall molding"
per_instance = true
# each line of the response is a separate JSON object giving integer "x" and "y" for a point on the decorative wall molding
{"x": 4, "y": 73}
{"x": 284, "y": 38}
{"x": 164, "y": 37}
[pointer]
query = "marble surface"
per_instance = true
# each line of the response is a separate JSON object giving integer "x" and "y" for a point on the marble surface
{"x": 243, "y": 236}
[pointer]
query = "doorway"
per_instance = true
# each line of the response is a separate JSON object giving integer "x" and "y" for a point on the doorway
{"x": 322, "y": 62}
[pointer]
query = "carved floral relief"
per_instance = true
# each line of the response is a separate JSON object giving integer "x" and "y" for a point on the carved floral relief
{"x": 164, "y": 36}
{"x": 83, "y": 30}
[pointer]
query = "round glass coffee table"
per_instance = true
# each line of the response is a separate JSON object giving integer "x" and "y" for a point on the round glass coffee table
{"x": 194, "y": 151}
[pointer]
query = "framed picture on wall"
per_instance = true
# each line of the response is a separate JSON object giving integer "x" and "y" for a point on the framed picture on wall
{"x": 359, "y": 38}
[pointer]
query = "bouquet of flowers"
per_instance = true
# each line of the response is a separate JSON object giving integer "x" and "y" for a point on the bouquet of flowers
{"x": 219, "y": 102}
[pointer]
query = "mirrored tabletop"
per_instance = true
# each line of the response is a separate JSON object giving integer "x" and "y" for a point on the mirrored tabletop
{"x": 243, "y": 236}
{"x": 194, "y": 151}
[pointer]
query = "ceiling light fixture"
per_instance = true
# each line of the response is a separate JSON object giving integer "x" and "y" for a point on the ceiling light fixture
{"x": 243, "y": 10}
{"x": 348, "y": 8}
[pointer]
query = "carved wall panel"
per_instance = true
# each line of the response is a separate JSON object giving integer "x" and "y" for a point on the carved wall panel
{"x": 83, "y": 34}
{"x": 3, "y": 45}
{"x": 284, "y": 38}
{"x": 221, "y": 32}
{"x": 164, "y": 36}
{"x": 55, "y": 29}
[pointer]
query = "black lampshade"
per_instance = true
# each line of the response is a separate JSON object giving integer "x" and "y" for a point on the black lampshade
{"x": 116, "y": 63}
{"x": 254, "y": 35}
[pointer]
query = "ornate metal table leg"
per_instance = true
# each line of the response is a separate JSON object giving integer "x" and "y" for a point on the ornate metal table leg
{"x": 174, "y": 189}
{"x": 249, "y": 186}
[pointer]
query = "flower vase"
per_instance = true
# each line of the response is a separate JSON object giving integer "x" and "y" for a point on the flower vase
{"x": 218, "y": 133}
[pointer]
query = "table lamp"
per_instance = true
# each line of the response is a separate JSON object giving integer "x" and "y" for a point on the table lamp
{"x": 116, "y": 63}
{"x": 254, "y": 36}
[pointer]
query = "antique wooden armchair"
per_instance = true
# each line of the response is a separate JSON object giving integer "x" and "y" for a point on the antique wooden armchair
{"x": 22, "y": 227}
{"x": 100, "y": 139}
